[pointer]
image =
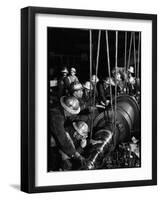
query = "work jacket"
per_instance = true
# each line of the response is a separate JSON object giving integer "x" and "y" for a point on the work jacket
{"x": 58, "y": 122}
{"x": 63, "y": 86}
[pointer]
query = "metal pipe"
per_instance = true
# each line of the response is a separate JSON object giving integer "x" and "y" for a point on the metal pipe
{"x": 99, "y": 151}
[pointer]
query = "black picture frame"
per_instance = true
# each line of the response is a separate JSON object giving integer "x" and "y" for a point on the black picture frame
{"x": 28, "y": 98}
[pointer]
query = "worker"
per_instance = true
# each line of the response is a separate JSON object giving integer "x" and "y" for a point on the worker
{"x": 59, "y": 117}
{"x": 131, "y": 81}
{"x": 72, "y": 77}
{"x": 63, "y": 83}
{"x": 104, "y": 95}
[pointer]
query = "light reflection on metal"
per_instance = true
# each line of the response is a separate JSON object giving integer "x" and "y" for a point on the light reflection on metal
{"x": 127, "y": 118}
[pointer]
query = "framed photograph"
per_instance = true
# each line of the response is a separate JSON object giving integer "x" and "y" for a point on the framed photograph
{"x": 88, "y": 99}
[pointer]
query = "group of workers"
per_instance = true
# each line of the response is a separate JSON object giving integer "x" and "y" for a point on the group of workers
{"x": 72, "y": 107}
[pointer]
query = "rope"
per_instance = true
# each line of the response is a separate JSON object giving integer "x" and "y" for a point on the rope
{"x": 134, "y": 52}
{"x": 97, "y": 61}
{"x": 138, "y": 55}
{"x": 125, "y": 67}
{"x": 128, "y": 64}
{"x": 109, "y": 71}
{"x": 98, "y": 49}
{"x": 116, "y": 54}
{"x": 90, "y": 52}
{"x": 125, "y": 51}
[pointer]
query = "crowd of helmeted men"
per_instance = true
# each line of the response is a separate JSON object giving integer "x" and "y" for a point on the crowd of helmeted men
{"x": 72, "y": 105}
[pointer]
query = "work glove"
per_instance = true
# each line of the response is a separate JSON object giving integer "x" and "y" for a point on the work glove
{"x": 107, "y": 102}
{"x": 83, "y": 143}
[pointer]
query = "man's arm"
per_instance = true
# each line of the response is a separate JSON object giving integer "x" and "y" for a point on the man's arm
{"x": 58, "y": 132}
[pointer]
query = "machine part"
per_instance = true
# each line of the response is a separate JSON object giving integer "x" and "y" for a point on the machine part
{"x": 105, "y": 136}
{"x": 127, "y": 115}
{"x": 127, "y": 119}
{"x": 122, "y": 157}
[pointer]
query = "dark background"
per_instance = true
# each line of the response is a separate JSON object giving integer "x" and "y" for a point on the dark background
{"x": 70, "y": 48}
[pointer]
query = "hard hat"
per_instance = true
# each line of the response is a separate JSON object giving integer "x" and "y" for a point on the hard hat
{"x": 94, "y": 78}
{"x": 81, "y": 127}
{"x": 88, "y": 85}
{"x": 64, "y": 70}
{"x": 75, "y": 87}
{"x": 131, "y": 69}
{"x": 73, "y": 69}
{"x": 109, "y": 81}
{"x": 116, "y": 70}
{"x": 70, "y": 104}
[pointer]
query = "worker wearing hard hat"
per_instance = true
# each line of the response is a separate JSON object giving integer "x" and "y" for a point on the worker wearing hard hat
{"x": 69, "y": 106}
{"x": 131, "y": 82}
{"x": 63, "y": 83}
{"x": 72, "y": 77}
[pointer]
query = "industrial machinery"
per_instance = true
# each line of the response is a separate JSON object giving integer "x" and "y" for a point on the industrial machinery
{"x": 119, "y": 133}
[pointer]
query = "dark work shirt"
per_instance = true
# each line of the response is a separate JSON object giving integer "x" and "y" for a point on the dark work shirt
{"x": 57, "y": 123}
{"x": 63, "y": 86}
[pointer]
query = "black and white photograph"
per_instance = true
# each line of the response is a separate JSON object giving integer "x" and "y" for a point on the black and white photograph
{"x": 94, "y": 94}
{"x": 89, "y": 99}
